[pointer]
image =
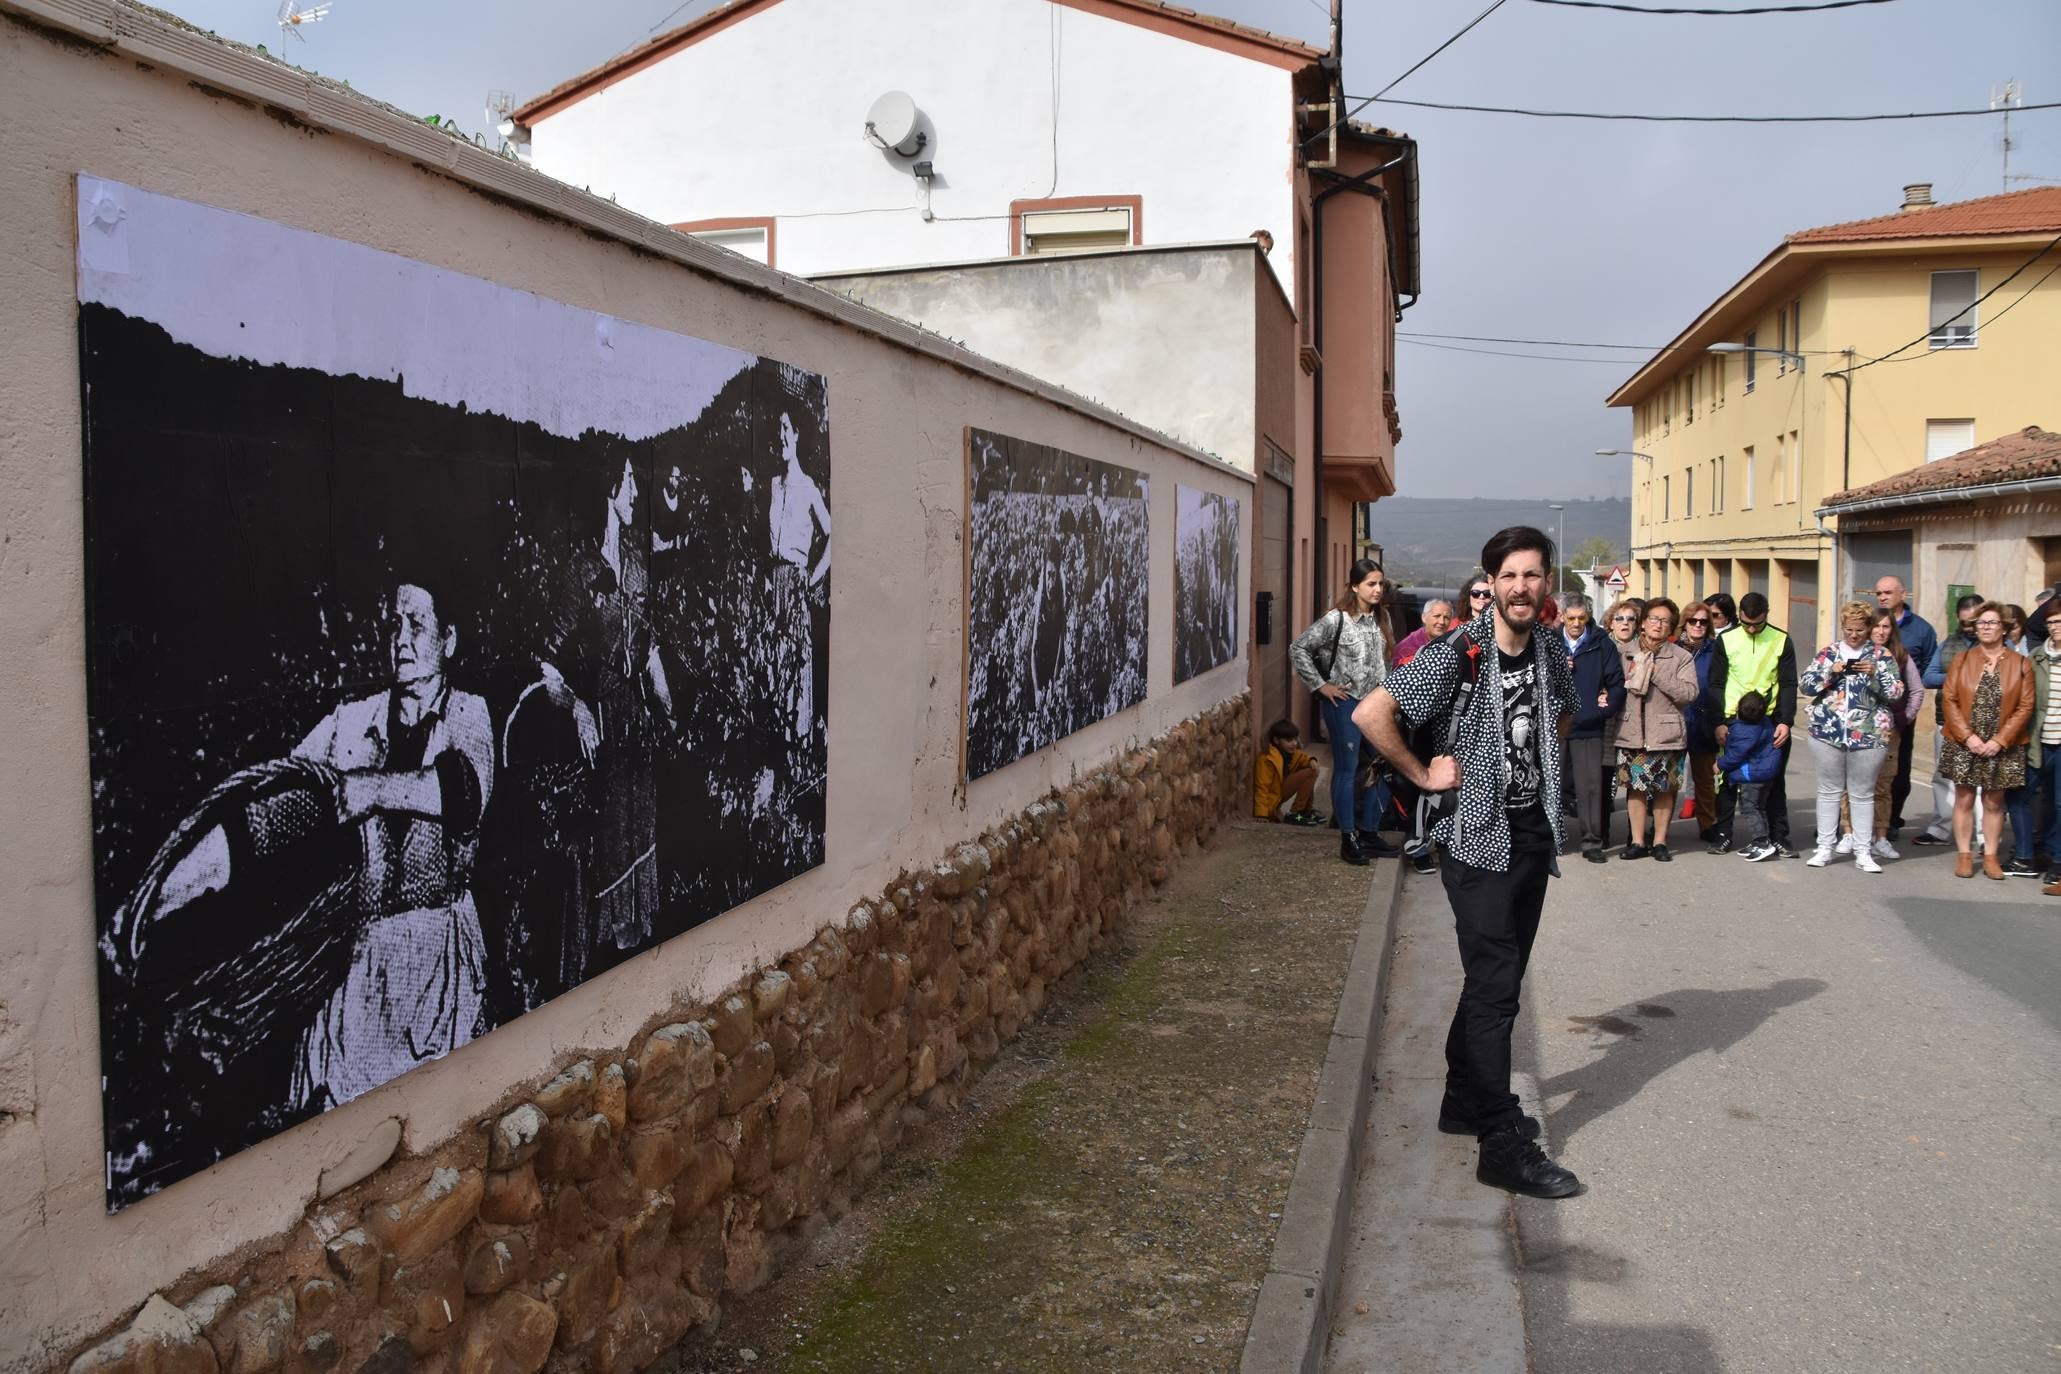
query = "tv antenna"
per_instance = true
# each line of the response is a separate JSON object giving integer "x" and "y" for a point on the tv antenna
{"x": 500, "y": 114}
{"x": 2007, "y": 98}
{"x": 293, "y": 18}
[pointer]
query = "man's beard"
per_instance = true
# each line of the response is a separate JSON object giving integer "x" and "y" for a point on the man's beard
{"x": 1504, "y": 604}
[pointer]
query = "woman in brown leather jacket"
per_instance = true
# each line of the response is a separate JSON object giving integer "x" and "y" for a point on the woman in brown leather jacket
{"x": 1987, "y": 706}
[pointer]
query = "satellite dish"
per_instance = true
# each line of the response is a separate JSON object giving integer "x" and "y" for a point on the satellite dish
{"x": 891, "y": 125}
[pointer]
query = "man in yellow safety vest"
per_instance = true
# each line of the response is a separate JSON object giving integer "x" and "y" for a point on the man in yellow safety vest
{"x": 1754, "y": 656}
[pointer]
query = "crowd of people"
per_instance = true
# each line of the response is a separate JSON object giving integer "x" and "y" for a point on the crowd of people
{"x": 1686, "y": 712}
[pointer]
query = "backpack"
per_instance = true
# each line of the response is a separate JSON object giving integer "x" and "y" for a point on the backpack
{"x": 1441, "y": 734}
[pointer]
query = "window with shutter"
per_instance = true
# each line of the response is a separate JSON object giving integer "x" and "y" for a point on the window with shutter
{"x": 1953, "y": 309}
{"x": 1945, "y": 438}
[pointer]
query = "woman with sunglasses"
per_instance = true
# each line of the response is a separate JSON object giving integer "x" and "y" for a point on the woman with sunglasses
{"x": 1343, "y": 657}
{"x": 1474, "y": 598}
{"x": 1621, "y": 623}
{"x": 1698, "y": 637}
{"x": 1659, "y": 680}
{"x": 1986, "y": 702}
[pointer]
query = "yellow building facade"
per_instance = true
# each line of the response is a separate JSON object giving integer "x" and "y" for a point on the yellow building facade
{"x": 1736, "y": 450}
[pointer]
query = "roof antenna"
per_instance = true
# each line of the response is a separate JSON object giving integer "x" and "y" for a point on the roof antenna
{"x": 2006, "y": 98}
{"x": 292, "y": 18}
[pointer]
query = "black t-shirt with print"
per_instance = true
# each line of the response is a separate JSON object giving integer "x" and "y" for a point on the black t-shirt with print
{"x": 1523, "y": 800}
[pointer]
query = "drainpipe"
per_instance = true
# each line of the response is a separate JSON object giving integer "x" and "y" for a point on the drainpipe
{"x": 1362, "y": 185}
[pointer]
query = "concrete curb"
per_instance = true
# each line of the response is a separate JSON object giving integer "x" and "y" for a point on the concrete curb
{"x": 1291, "y": 1323}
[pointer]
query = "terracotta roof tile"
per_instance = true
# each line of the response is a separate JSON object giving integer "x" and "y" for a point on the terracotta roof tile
{"x": 2020, "y": 457}
{"x": 2016, "y": 212}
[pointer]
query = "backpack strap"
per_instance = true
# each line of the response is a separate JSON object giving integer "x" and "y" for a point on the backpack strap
{"x": 1469, "y": 653}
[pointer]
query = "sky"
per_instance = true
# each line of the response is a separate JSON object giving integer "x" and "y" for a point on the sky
{"x": 1532, "y": 229}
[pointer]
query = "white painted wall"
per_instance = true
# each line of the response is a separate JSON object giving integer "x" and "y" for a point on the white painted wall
{"x": 1165, "y": 337}
{"x": 765, "y": 118}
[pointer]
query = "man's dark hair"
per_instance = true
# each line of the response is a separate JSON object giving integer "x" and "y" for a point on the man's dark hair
{"x": 1966, "y": 604}
{"x": 1283, "y": 729}
{"x": 1753, "y": 606}
{"x": 1722, "y": 602}
{"x": 1753, "y": 708}
{"x": 1515, "y": 539}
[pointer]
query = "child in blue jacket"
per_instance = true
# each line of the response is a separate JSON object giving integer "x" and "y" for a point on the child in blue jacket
{"x": 1750, "y": 762}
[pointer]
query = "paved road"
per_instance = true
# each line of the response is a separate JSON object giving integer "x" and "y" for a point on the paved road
{"x": 1817, "y": 1112}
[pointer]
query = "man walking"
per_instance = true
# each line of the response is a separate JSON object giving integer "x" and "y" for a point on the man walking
{"x": 1922, "y": 644}
{"x": 1598, "y": 675}
{"x": 1754, "y": 656}
{"x": 1502, "y": 707}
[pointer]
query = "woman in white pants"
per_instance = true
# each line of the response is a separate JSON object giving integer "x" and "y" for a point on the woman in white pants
{"x": 1852, "y": 687}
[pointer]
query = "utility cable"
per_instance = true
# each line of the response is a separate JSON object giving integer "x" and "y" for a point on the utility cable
{"x": 1988, "y": 323}
{"x": 1506, "y": 353}
{"x": 2052, "y": 243}
{"x": 1757, "y": 9}
{"x": 1414, "y": 69}
{"x": 1699, "y": 119}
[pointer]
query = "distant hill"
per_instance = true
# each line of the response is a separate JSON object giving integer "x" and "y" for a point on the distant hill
{"x": 1434, "y": 541}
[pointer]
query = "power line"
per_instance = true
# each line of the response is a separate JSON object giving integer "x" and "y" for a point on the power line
{"x": 1757, "y": 9}
{"x": 1990, "y": 322}
{"x": 1347, "y": 116}
{"x": 2052, "y": 243}
{"x": 1506, "y": 353}
{"x": 1697, "y": 119}
{"x": 1551, "y": 343}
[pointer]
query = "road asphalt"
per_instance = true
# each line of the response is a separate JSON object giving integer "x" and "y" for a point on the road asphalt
{"x": 1816, "y": 1111}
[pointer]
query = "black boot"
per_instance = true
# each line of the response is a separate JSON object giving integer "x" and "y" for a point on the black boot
{"x": 1517, "y": 1165}
{"x": 1351, "y": 850}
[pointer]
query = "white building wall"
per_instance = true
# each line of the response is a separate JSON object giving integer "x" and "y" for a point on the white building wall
{"x": 1167, "y": 338}
{"x": 766, "y": 118}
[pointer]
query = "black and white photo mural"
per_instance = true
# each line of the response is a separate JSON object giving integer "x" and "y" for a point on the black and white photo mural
{"x": 447, "y": 646}
{"x": 1056, "y": 596}
{"x": 1205, "y": 581}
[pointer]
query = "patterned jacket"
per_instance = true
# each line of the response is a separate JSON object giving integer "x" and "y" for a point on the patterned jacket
{"x": 1362, "y": 659}
{"x": 1852, "y": 710}
{"x": 1478, "y": 831}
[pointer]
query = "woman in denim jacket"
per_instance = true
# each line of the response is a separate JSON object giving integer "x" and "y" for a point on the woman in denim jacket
{"x": 1851, "y": 687}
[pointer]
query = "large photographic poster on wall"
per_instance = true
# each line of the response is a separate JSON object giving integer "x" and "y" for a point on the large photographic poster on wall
{"x": 1056, "y": 596}
{"x": 447, "y": 646}
{"x": 1205, "y": 581}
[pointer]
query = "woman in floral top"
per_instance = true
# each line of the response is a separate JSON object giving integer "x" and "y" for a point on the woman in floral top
{"x": 1851, "y": 686}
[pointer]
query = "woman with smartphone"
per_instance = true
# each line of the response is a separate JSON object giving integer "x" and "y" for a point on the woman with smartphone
{"x": 1852, "y": 686}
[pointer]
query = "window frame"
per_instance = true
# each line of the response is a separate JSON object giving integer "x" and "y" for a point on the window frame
{"x": 1751, "y": 336}
{"x": 1933, "y": 339}
{"x": 714, "y": 231}
{"x": 1018, "y": 247}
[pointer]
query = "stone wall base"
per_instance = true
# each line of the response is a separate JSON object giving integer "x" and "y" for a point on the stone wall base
{"x": 602, "y": 1215}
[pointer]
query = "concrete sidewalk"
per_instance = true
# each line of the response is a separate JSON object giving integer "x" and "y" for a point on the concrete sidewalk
{"x": 1430, "y": 1281}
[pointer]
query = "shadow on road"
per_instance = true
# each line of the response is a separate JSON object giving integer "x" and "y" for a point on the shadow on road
{"x": 2008, "y": 945}
{"x": 1651, "y": 1036}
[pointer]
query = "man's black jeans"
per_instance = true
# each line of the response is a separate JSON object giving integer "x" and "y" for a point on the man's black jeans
{"x": 1900, "y": 785}
{"x": 1496, "y": 916}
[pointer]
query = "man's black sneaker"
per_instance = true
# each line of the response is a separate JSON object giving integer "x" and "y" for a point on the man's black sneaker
{"x": 1352, "y": 849}
{"x": 1710, "y": 836}
{"x": 1453, "y": 1124}
{"x": 1721, "y": 845}
{"x": 1517, "y": 1165}
{"x": 1424, "y": 861}
{"x": 1783, "y": 851}
{"x": 1595, "y": 856}
{"x": 1377, "y": 847}
{"x": 1931, "y": 841}
{"x": 2021, "y": 868}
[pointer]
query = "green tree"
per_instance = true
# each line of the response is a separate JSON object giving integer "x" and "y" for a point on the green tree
{"x": 1593, "y": 552}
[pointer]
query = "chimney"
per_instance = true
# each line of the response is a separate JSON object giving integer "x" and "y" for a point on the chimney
{"x": 1917, "y": 195}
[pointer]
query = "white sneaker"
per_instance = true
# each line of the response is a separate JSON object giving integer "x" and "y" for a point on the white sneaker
{"x": 1821, "y": 858}
{"x": 1885, "y": 850}
{"x": 1846, "y": 843}
{"x": 1865, "y": 862}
